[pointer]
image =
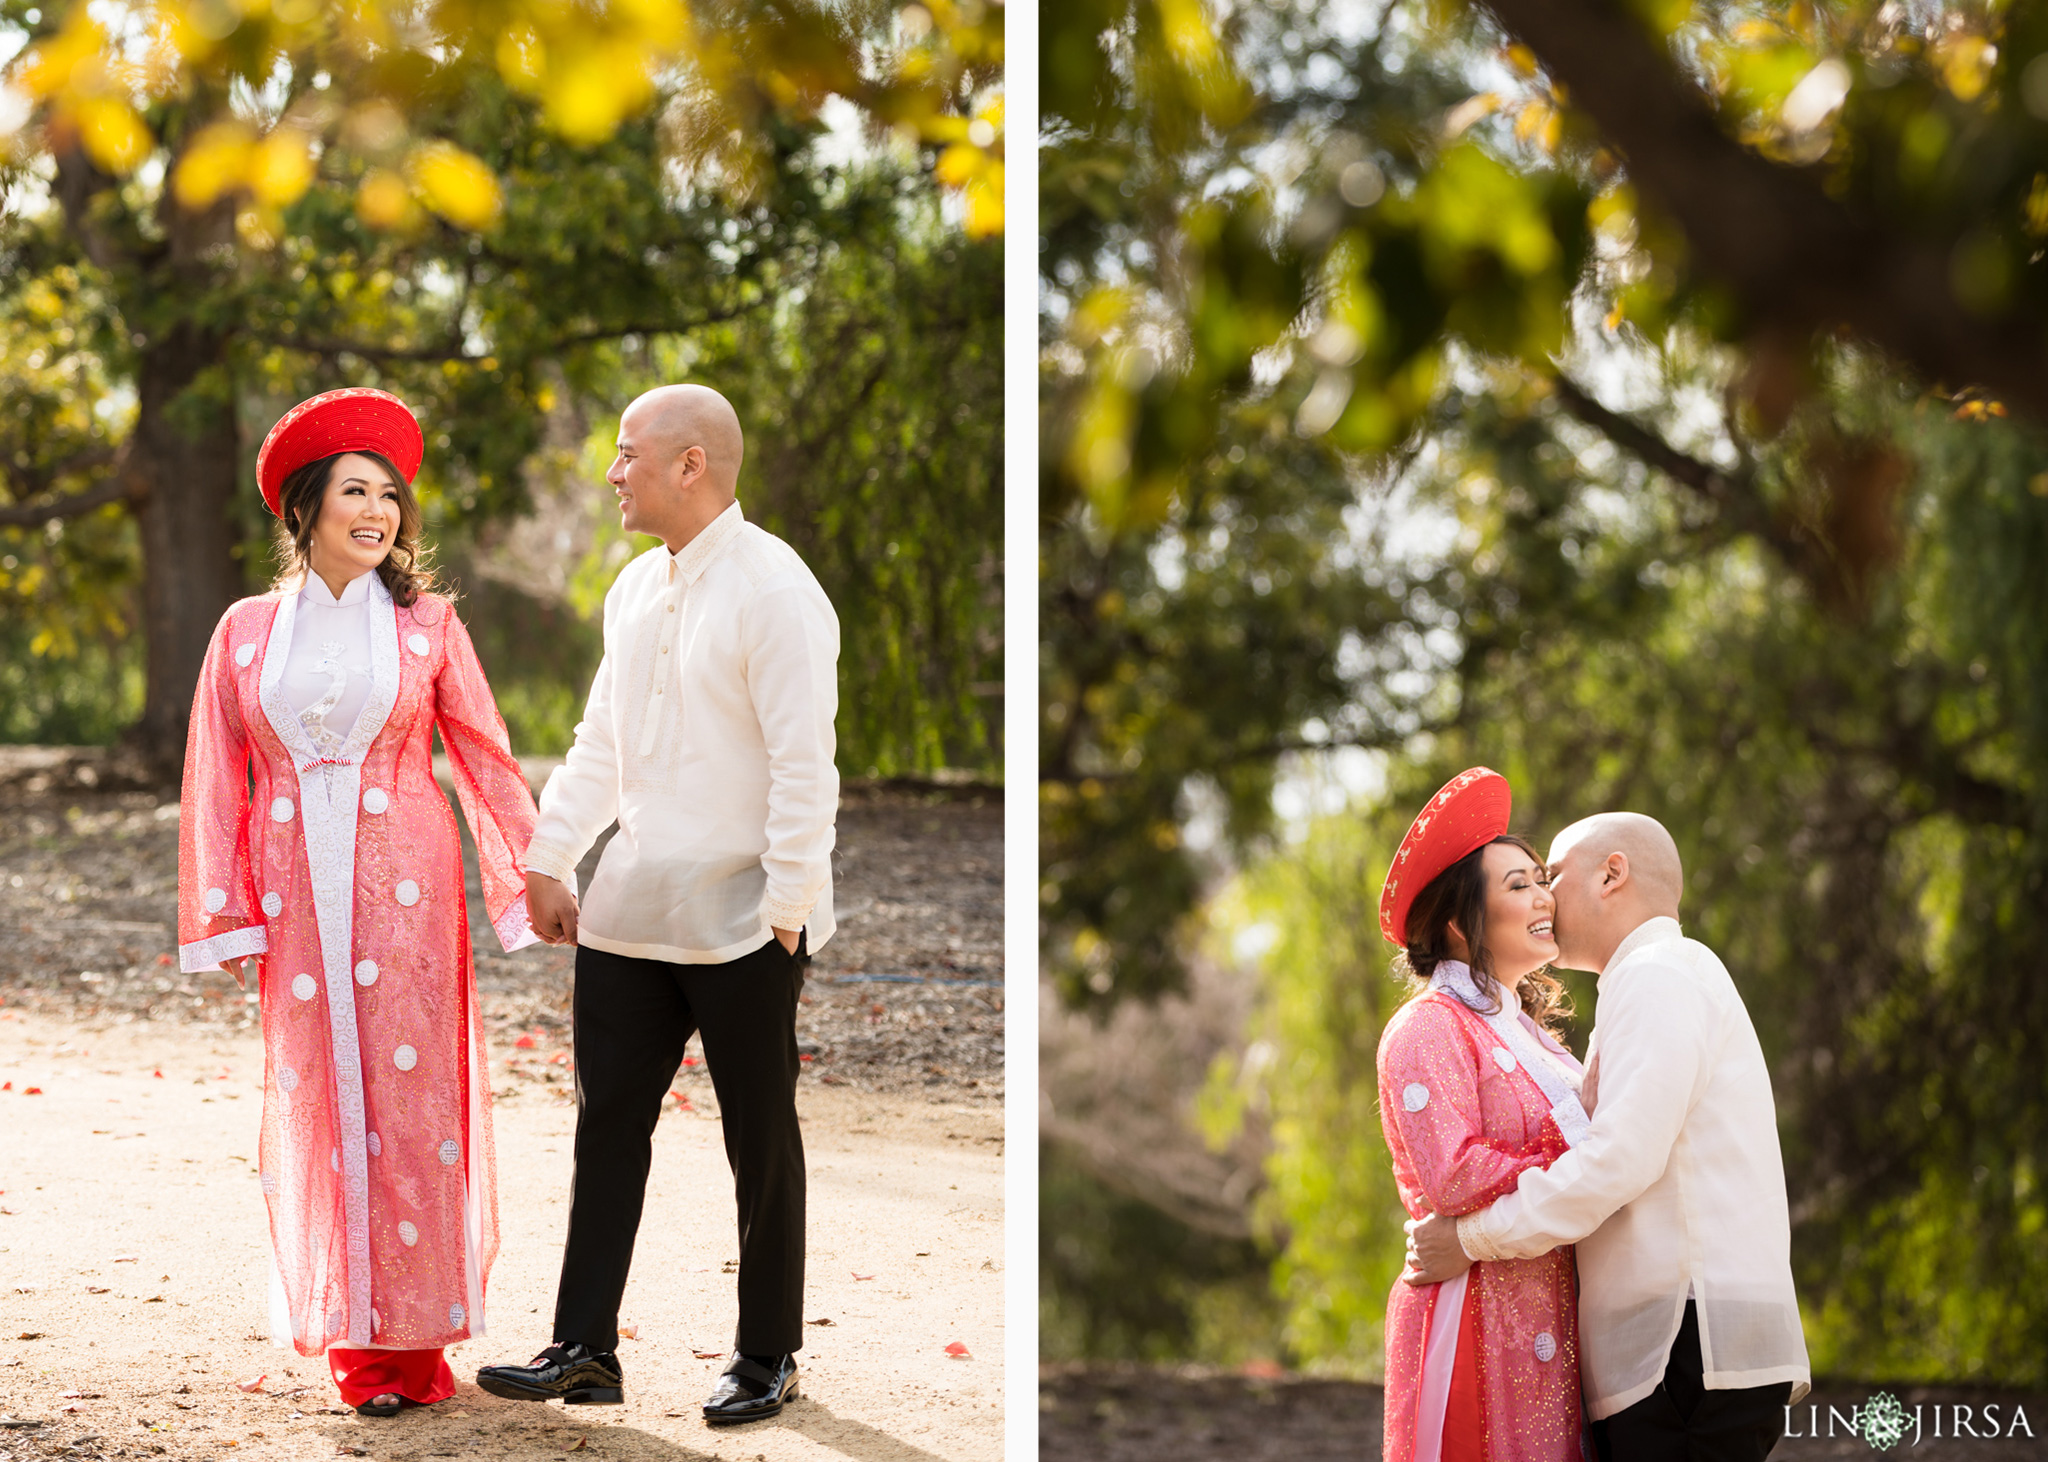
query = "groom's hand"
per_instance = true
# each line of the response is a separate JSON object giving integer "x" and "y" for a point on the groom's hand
{"x": 1434, "y": 1253}
{"x": 551, "y": 909}
{"x": 786, "y": 937}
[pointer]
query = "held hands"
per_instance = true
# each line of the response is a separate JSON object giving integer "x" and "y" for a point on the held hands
{"x": 551, "y": 909}
{"x": 1434, "y": 1253}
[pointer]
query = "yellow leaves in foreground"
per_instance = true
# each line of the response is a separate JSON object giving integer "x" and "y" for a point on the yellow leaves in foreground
{"x": 972, "y": 164}
{"x": 456, "y": 185}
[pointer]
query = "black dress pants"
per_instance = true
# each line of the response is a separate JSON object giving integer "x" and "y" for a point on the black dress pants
{"x": 1682, "y": 1421}
{"x": 633, "y": 1017}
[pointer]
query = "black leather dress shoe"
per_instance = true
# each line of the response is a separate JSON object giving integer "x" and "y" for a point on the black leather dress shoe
{"x": 570, "y": 1372}
{"x": 751, "y": 1392}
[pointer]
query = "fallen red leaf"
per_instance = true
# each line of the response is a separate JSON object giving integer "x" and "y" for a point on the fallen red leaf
{"x": 690, "y": 1061}
{"x": 525, "y": 1043}
{"x": 629, "y": 1332}
{"x": 863, "y": 1276}
{"x": 73, "y": 1407}
{"x": 9, "y": 1086}
{"x": 958, "y": 1350}
{"x": 163, "y": 959}
{"x": 707, "y": 1354}
{"x": 158, "y": 1075}
{"x": 806, "y": 1056}
{"x": 254, "y": 1383}
{"x": 31, "y": 1091}
{"x": 682, "y": 1100}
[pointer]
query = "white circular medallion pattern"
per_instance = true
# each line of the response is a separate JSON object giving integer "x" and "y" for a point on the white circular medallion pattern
{"x": 244, "y": 654}
{"x": 272, "y": 905}
{"x": 456, "y": 1314}
{"x": 303, "y": 986}
{"x": 375, "y": 800}
{"x": 407, "y": 1234}
{"x": 281, "y": 810}
{"x": 1414, "y": 1096}
{"x": 1504, "y": 1058}
{"x": 216, "y": 900}
{"x": 405, "y": 1058}
{"x": 375, "y": 1144}
{"x": 451, "y": 1153}
{"x": 1546, "y": 1345}
{"x": 269, "y": 1184}
{"x": 287, "y": 1078}
{"x": 366, "y": 972}
{"x": 417, "y": 644}
{"x": 408, "y": 892}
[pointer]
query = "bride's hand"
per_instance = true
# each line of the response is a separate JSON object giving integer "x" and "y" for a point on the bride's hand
{"x": 239, "y": 968}
{"x": 1589, "y": 1088}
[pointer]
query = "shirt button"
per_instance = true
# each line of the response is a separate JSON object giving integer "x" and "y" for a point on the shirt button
{"x": 671, "y": 609}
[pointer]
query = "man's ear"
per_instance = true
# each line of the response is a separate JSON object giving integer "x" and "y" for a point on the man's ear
{"x": 694, "y": 461}
{"x": 1614, "y": 874}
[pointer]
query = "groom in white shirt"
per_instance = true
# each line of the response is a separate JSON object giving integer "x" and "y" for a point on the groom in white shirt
{"x": 1689, "y": 1337}
{"x": 708, "y": 736}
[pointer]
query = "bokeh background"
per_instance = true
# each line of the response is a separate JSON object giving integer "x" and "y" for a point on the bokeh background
{"x": 1643, "y": 400}
{"x": 515, "y": 214}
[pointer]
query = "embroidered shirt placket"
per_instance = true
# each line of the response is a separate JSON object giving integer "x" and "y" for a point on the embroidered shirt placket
{"x": 673, "y": 609}
{"x": 329, "y": 787}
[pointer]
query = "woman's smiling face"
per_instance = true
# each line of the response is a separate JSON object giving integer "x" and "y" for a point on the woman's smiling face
{"x": 1518, "y": 913}
{"x": 359, "y": 518}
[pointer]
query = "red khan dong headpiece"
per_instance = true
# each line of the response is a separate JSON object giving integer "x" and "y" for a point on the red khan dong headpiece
{"x": 1469, "y": 812}
{"x": 353, "y": 419}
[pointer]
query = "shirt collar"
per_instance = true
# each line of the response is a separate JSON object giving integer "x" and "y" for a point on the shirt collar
{"x": 1660, "y": 930}
{"x": 689, "y": 565}
{"x": 1455, "y": 977}
{"x": 355, "y": 591}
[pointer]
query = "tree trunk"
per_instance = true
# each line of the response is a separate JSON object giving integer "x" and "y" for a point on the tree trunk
{"x": 183, "y": 457}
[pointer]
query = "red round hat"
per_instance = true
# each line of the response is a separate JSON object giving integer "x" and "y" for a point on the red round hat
{"x": 353, "y": 419}
{"x": 1469, "y": 812}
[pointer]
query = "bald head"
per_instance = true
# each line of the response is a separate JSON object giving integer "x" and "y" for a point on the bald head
{"x": 680, "y": 449}
{"x": 669, "y": 420}
{"x": 1609, "y": 873}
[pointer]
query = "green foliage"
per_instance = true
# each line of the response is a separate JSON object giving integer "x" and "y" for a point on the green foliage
{"x": 1120, "y": 1280}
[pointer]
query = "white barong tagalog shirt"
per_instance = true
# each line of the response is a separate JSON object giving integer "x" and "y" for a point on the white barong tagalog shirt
{"x": 1676, "y": 1190}
{"x": 708, "y": 735}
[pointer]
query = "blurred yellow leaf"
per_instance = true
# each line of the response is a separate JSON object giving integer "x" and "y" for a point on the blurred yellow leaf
{"x": 1965, "y": 61}
{"x": 2037, "y": 206}
{"x": 957, "y": 164}
{"x": 1522, "y": 59}
{"x": 985, "y": 203}
{"x": 457, "y": 186}
{"x": 50, "y": 65}
{"x": 214, "y": 162}
{"x": 522, "y": 58}
{"x": 586, "y": 97}
{"x": 383, "y": 201}
{"x": 281, "y": 167}
{"x": 113, "y": 135}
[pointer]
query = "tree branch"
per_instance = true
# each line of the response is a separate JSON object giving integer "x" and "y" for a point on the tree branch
{"x": 1792, "y": 255}
{"x": 370, "y": 351}
{"x": 29, "y": 515}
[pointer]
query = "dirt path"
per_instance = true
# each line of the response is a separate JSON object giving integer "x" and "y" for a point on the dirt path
{"x": 131, "y": 1223}
{"x": 131, "y": 1251}
{"x": 1113, "y": 1413}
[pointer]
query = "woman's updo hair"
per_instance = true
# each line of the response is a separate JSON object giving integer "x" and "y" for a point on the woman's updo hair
{"x": 1458, "y": 896}
{"x": 405, "y": 570}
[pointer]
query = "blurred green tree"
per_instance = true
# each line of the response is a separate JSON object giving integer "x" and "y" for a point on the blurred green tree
{"x": 456, "y": 200}
{"x": 1638, "y": 518}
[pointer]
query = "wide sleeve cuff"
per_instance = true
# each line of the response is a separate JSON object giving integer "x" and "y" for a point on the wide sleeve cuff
{"x": 515, "y": 926}
{"x": 550, "y": 860}
{"x": 206, "y": 954}
{"x": 783, "y": 915}
{"x": 1473, "y": 1240}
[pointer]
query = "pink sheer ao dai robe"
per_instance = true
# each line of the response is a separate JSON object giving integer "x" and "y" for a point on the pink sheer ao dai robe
{"x": 343, "y": 869}
{"x": 1463, "y": 1119}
